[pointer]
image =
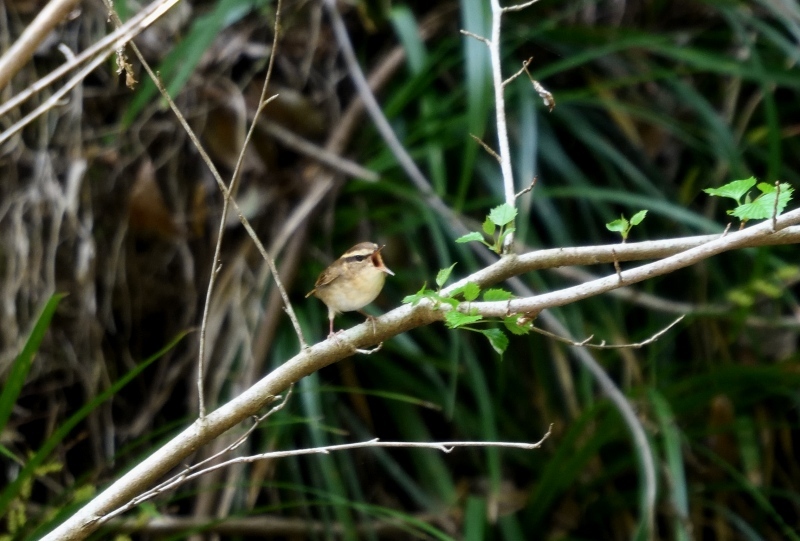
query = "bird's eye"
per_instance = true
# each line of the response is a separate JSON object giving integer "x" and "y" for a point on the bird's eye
{"x": 360, "y": 257}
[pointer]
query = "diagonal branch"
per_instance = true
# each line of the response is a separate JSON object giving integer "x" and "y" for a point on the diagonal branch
{"x": 96, "y": 54}
{"x": 21, "y": 51}
{"x": 746, "y": 237}
{"x": 363, "y": 336}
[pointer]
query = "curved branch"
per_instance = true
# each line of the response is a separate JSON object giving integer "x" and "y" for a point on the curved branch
{"x": 514, "y": 265}
{"x": 365, "y": 335}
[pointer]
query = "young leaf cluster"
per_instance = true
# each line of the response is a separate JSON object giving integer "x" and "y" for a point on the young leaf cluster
{"x": 624, "y": 226}
{"x": 497, "y": 226}
{"x": 762, "y": 207}
{"x": 457, "y": 319}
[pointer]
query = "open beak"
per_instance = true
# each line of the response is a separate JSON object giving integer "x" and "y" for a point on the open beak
{"x": 378, "y": 262}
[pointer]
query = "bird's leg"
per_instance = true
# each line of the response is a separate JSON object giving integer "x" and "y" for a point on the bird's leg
{"x": 331, "y": 315}
{"x": 370, "y": 318}
{"x": 331, "y": 332}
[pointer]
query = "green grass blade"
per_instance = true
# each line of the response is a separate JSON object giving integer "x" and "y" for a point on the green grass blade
{"x": 671, "y": 439}
{"x": 475, "y": 519}
{"x": 12, "y": 490}
{"x": 22, "y": 364}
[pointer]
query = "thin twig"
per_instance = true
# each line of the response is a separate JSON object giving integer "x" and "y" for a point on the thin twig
{"x": 21, "y": 51}
{"x": 775, "y": 206}
{"x": 616, "y": 264}
{"x": 523, "y": 69}
{"x": 520, "y": 7}
{"x": 384, "y": 127}
{"x": 660, "y": 304}
{"x": 106, "y": 46}
{"x": 529, "y": 188}
{"x": 486, "y": 147}
{"x": 445, "y": 447}
{"x": 476, "y": 36}
{"x": 318, "y": 153}
{"x": 376, "y": 349}
{"x": 602, "y": 345}
{"x": 273, "y": 526}
{"x": 54, "y": 100}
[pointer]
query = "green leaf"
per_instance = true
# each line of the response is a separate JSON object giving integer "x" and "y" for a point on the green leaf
{"x": 506, "y": 233}
{"x": 443, "y": 275}
{"x": 765, "y": 187}
{"x": 471, "y": 291}
{"x": 447, "y": 300}
{"x": 511, "y": 323}
{"x": 620, "y": 226}
{"x": 470, "y": 237}
{"x": 502, "y": 215}
{"x": 734, "y": 190}
{"x": 414, "y": 299}
{"x": 497, "y": 294}
{"x": 488, "y": 227}
{"x": 497, "y": 339}
{"x": 637, "y": 218}
{"x": 22, "y": 364}
{"x": 764, "y": 205}
{"x": 455, "y": 319}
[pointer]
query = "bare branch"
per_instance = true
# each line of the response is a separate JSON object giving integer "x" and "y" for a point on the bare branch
{"x": 189, "y": 471}
{"x": 21, "y": 51}
{"x": 226, "y": 201}
{"x": 523, "y": 69}
{"x": 316, "y": 152}
{"x": 602, "y": 345}
{"x": 526, "y": 190}
{"x": 476, "y": 36}
{"x": 749, "y": 236}
{"x": 406, "y": 317}
{"x": 519, "y": 7}
{"x": 504, "y": 149}
{"x": 54, "y": 100}
{"x": 616, "y": 263}
{"x": 445, "y": 447}
{"x": 97, "y": 53}
{"x": 486, "y": 147}
{"x": 371, "y": 104}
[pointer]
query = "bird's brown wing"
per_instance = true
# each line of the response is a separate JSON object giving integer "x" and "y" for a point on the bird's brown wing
{"x": 326, "y": 277}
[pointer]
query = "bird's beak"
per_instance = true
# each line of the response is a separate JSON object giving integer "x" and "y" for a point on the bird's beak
{"x": 378, "y": 261}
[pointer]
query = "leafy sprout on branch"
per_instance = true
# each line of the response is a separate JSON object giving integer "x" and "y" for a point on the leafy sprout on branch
{"x": 624, "y": 226}
{"x": 768, "y": 204}
{"x": 497, "y": 226}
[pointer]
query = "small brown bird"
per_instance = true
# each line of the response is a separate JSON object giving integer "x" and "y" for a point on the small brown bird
{"x": 352, "y": 281}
